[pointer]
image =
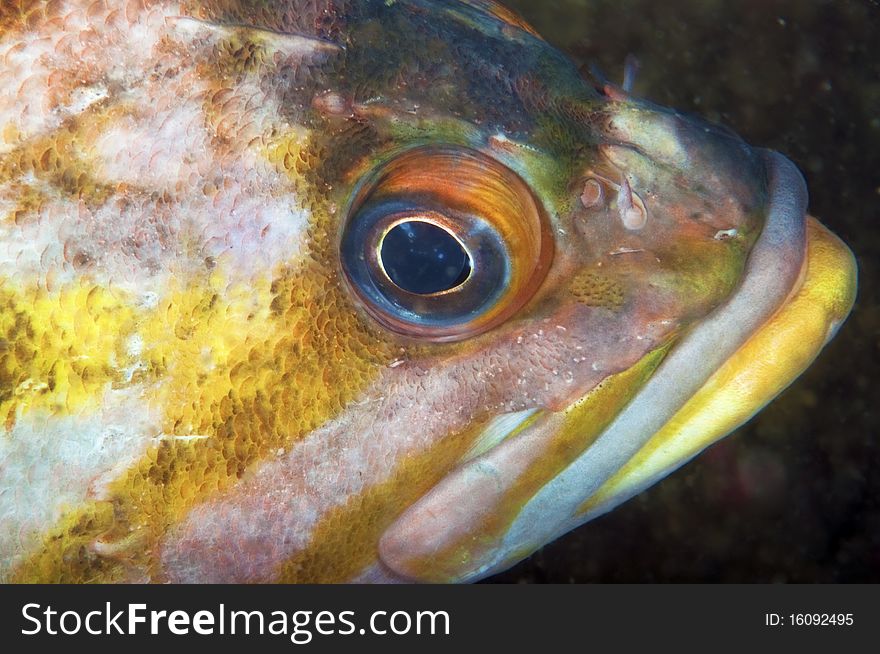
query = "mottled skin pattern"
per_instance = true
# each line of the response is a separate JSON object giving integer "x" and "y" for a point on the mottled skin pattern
{"x": 190, "y": 391}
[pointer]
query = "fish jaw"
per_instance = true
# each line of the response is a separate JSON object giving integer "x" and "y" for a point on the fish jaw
{"x": 771, "y": 359}
{"x": 799, "y": 287}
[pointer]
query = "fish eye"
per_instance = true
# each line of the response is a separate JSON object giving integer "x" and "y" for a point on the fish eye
{"x": 443, "y": 243}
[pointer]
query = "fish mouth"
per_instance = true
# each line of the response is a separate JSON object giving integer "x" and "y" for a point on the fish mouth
{"x": 537, "y": 474}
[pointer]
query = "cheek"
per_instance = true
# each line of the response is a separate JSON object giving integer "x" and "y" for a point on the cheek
{"x": 550, "y": 362}
{"x": 316, "y": 512}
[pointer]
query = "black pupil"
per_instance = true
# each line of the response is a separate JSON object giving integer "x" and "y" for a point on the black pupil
{"x": 422, "y": 258}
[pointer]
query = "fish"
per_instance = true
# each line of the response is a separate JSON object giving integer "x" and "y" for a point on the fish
{"x": 364, "y": 290}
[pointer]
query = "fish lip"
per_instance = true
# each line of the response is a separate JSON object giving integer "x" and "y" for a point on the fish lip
{"x": 809, "y": 317}
{"x": 772, "y": 271}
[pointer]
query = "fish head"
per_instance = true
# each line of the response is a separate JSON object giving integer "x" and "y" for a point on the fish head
{"x": 418, "y": 299}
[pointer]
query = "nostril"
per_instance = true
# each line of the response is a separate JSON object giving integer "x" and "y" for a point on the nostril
{"x": 593, "y": 195}
{"x": 633, "y": 213}
{"x": 629, "y": 206}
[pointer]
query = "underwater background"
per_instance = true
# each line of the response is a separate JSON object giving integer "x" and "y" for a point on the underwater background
{"x": 794, "y": 495}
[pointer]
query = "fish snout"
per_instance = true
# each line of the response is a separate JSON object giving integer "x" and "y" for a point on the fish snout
{"x": 681, "y": 170}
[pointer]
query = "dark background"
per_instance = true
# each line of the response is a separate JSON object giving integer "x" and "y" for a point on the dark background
{"x": 794, "y": 496}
